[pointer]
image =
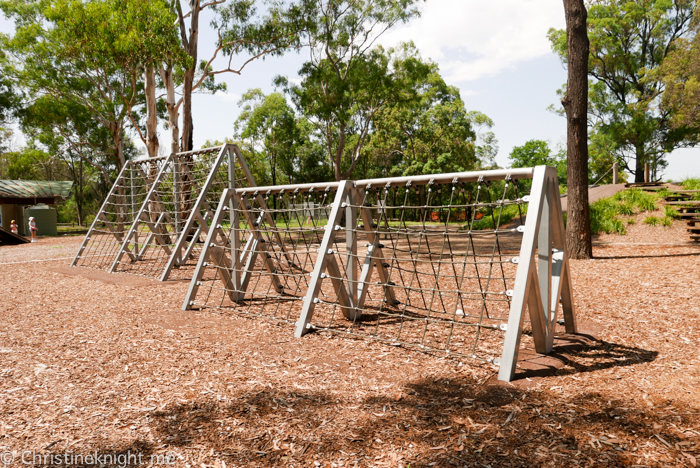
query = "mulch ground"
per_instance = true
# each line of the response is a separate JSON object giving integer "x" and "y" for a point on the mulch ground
{"x": 106, "y": 369}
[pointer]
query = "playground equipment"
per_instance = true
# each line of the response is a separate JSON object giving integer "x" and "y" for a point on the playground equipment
{"x": 426, "y": 261}
{"x": 159, "y": 210}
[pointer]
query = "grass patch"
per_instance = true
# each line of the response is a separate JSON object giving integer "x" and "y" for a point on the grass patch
{"x": 652, "y": 220}
{"x": 670, "y": 212}
{"x": 607, "y": 213}
{"x": 691, "y": 183}
{"x": 506, "y": 215}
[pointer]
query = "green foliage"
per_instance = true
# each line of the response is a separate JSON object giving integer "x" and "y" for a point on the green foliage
{"x": 652, "y": 220}
{"x": 273, "y": 134}
{"x": 538, "y": 153}
{"x": 606, "y": 213}
{"x": 499, "y": 217}
{"x": 691, "y": 183}
{"x": 346, "y": 82}
{"x": 629, "y": 41}
{"x": 78, "y": 59}
{"x": 670, "y": 212}
{"x": 604, "y": 217}
{"x": 30, "y": 164}
{"x": 637, "y": 198}
{"x": 427, "y": 129}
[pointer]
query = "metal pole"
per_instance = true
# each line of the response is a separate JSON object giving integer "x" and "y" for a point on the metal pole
{"x": 351, "y": 243}
{"x": 201, "y": 199}
{"x": 234, "y": 203}
{"x": 525, "y": 293}
{"x": 324, "y": 252}
{"x": 176, "y": 195}
{"x": 137, "y": 219}
{"x": 520, "y": 173}
{"x": 616, "y": 173}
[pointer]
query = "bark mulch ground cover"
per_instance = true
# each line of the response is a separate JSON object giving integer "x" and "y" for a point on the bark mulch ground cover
{"x": 106, "y": 369}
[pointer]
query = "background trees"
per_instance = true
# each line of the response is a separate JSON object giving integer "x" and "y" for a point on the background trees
{"x": 346, "y": 80}
{"x": 629, "y": 41}
{"x": 538, "y": 153}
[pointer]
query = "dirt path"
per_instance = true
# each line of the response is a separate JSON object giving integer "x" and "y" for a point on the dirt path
{"x": 108, "y": 364}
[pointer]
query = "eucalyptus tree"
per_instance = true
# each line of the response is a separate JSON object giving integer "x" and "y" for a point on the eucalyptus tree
{"x": 347, "y": 79}
{"x": 245, "y": 33}
{"x": 425, "y": 128}
{"x": 90, "y": 54}
{"x": 267, "y": 125}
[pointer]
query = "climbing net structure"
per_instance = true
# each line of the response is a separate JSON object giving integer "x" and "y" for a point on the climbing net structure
{"x": 159, "y": 211}
{"x": 446, "y": 262}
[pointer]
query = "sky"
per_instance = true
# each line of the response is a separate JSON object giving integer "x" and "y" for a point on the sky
{"x": 496, "y": 52}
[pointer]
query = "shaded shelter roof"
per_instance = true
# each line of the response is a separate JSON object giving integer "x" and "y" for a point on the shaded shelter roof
{"x": 31, "y": 189}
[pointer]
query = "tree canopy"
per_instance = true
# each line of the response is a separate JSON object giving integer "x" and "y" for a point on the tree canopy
{"x": 629, "y": 41}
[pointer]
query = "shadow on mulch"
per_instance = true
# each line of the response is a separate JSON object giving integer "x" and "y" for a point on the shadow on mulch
{"x": 669, "y": 255}
{"x": 431, "y": 422}
{"x": 138, "y": 453}
{"x": 578, "y": 354}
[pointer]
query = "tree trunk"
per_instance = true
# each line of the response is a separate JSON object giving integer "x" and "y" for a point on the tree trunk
{"x": 578, "y": 226}
{"x": 118, "y": 139}
{"x": 79, "y": 193}
{"x": 151, "y": 112}
{"x": 191, "y": 49}
{"x": 639, "y": 161}
{"x": 187, "y": 122}
{"x": 166, "y": 74}
{"x": 340, "y": 149}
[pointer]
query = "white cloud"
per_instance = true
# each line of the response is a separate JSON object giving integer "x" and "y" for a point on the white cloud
{"x": 472, "y": 39}
{"x": 228, "y": 97}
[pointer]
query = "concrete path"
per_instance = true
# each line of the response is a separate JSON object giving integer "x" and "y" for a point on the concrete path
{"x": 596, "y": 193}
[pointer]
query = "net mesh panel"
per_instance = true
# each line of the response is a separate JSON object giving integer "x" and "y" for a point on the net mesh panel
{"x": 119, "y": 211}
{"x": 275, "y": 280}
{"x": 444, "y": 258}
{"x": 449, "y": 264}
{"x": 165, "y": 216}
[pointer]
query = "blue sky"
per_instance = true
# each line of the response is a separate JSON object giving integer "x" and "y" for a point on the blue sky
{"x": 495, "y": 52}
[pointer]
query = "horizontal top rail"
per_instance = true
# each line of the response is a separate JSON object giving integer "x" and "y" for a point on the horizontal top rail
{"x": 201, "y": 151}
{"x": 274, "y": 189}
{"x": 473, "y": 176}
{"x": 148, "y": 158}
{"x": 186, "y": 153}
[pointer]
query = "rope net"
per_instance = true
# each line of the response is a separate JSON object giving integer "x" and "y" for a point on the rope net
{"x": 279, "y": 238}
{"x": 163, "y": 216}
{"x": 429, "y": 266}
{"x": 105, "y": 237}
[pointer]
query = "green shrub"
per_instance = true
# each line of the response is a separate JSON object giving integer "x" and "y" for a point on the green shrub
{"x": 644, "y": 201}
{"x": 606, "y": 212}
{"x": 487, "y": 222}
{"x": 691, "y": 183}
{"x": 625, "y": 208}
{"x": 652, "y": 220}
{"x": 604, "y": 217}
{"x": 667, "y": 221}
{"x": 671, "y": 212}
